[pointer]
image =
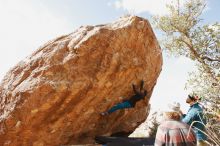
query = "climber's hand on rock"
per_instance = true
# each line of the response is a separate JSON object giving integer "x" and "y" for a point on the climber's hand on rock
{"x": 134, "y": 89}
{"x": 142, "y": 85}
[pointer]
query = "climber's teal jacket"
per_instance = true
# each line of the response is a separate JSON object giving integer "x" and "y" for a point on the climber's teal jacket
{"x": 195, "y": 113}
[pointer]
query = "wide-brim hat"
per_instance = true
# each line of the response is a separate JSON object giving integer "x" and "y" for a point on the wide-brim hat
{"x": 173, "y": 107}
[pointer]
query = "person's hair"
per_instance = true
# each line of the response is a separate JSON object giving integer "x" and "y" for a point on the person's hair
{"x": 191, "y": 97}
{"x": 194, "y": 97}
{"x": 172, "y": 115}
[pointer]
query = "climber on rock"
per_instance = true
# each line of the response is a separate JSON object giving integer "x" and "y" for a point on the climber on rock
{"x": 129, "y": 103}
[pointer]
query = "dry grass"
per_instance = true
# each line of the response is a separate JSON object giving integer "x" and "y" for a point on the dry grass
{"x": 212, "y": 135}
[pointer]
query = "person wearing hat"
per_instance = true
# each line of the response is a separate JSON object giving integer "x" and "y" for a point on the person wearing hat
{"x": 173, "y": 132}
{"x": 195, "y": 117}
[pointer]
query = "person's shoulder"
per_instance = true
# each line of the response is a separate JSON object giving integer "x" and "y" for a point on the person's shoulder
{"x": 183, "y": 125}
{"x": 170, "y": 124}
{"x": 174, "y": 124}
{"x": 197, "y": 108}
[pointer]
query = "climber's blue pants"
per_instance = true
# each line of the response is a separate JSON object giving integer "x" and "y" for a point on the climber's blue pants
{"x": 118, "y": 106}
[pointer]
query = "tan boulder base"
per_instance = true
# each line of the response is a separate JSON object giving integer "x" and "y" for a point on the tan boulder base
{"x": 55, "y": 96}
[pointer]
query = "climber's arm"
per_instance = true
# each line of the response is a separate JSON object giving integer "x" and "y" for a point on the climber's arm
{"x": 142, "y": 85}
{"x": 134, "y": 89}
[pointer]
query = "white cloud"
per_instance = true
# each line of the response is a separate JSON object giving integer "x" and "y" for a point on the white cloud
{"x": 25, "y": 26}
{"x": 155, "y": 7}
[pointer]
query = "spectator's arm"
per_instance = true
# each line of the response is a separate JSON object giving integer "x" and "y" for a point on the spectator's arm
{"x": 188, "y": 118}
{"x": 183, "y": 116}
{"x": 181, "y": 113}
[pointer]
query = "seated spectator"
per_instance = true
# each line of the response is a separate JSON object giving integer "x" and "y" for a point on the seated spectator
{"x": 173, "y": 132}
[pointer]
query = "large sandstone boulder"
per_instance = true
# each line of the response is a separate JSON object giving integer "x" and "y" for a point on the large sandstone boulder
{"x": 55, "y": 96}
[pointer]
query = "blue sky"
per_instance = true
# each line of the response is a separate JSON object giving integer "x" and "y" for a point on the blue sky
{"x": 27, "y": 24}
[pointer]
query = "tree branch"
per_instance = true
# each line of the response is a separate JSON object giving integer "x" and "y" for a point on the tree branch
{"x": 210, "y": 59}
{"x": 199, "y": 58}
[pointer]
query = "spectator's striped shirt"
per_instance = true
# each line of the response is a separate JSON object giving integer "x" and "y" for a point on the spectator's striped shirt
{"x": 174, "y": 133}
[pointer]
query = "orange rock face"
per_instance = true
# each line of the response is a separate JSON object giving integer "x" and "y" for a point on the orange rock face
{"x": 55, "y": 96}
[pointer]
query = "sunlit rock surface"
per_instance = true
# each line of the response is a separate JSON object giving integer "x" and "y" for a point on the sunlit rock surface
{"x": 55, "y": 96}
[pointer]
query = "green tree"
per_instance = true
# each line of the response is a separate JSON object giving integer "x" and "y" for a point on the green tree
{"x": 185, "y": 34}
{"x": 154, "y": 126}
